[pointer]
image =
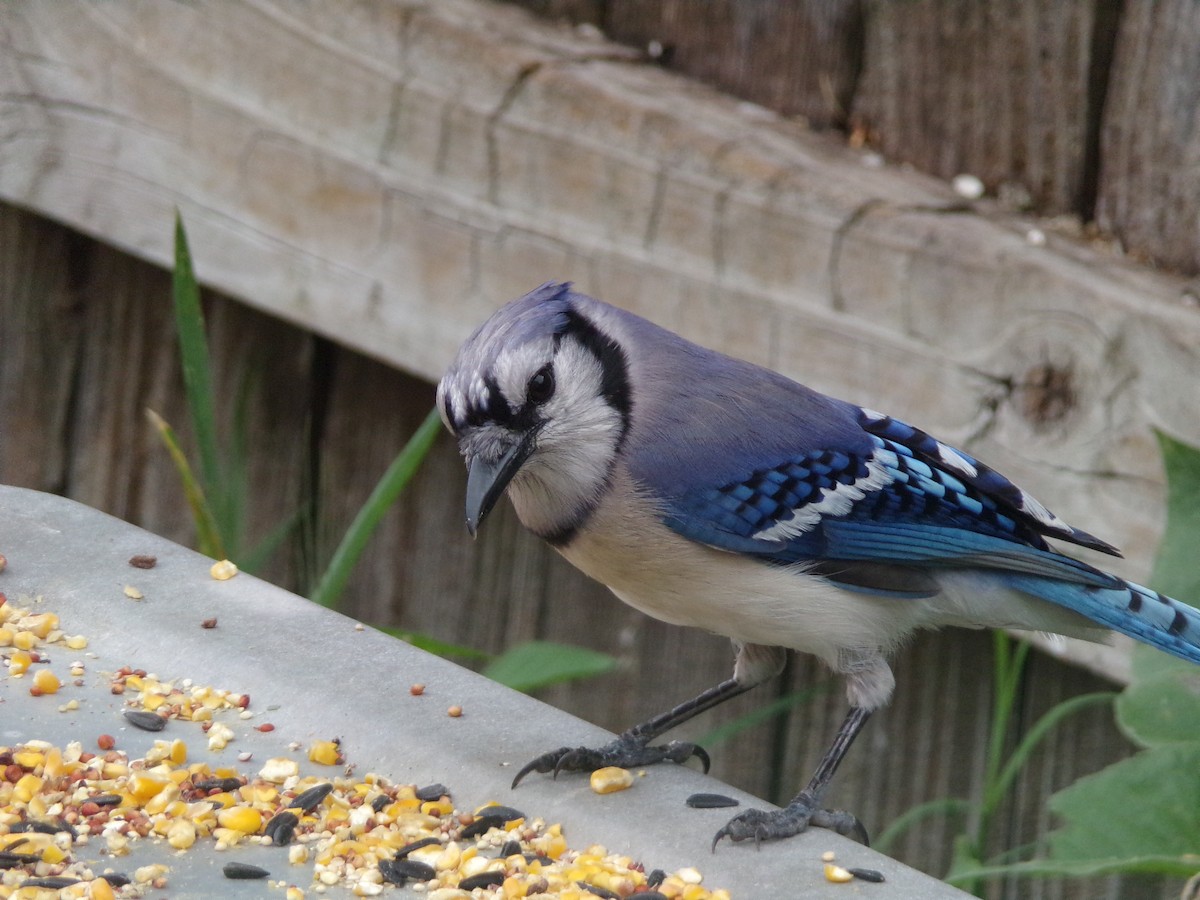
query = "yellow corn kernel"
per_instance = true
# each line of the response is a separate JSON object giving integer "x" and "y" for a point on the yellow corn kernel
{"x": 181, "y": 834}
{"x": 54, "y": 766}
{"x": 6, "y": 636}
{"x": 53, "y": 854}
{"x": 151, "y": 702}
{"x": 837, "y": 874}
{"x": 78, "y": 642}
{"x": 28, "y": 759}
{"x": 324, "y": 753}
{"x": 46, "y": 682}
{"x": 245, "y": 819}
{"x": 611, "y": 779}
{"x": 40, "y": 624}
{"x": 27, "y": 785}
{"x": 159, "y": 802}
{"x": 99, "y": 889}
{"x": 20, "y": 660}
{"x": 293, "y": 893}
{"x": 223, "y": 570}
{"x": 143, "y": 786}
{"x": 437, "y": 807}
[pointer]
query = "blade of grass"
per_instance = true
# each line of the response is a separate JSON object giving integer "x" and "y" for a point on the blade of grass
{"x": 398, "y": 474}
{"x": 944, "y": 806}
{"x": 193, "y": 349}
{"x": 432, "y": 645}
{"x": 207, "y": 534}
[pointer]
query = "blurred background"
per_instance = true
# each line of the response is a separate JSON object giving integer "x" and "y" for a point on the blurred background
{"x": 982, "y": 218}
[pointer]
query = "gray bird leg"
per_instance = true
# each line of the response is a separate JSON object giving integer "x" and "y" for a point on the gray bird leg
{"x": 632, "y": 747}
{"x": 804, "y": 810}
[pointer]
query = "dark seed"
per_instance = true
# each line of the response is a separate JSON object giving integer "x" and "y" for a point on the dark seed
{"x": 143, "y": 562}
{"x": 224, "y": 785}
{"x": 482, "y": 880}
{"x": 50, "y": 881}
{"x": 243, "y": 871}
{"x": 871, "y": 875}
{"x": 398, "y": 871}
{"x": 655, "y": 878}
{"x": 311, "y": 799}
{"x": 491, "y": 817}
{"x": 380, "y": 802}
{"x": 599, "y": 891}
{"x": 40, "y": 827}
{"x": 10, "y": 860}
{"x": 510, "y": 848}
{"x": 415, "y": 845}
{"x": 147, "y": 721}
{"x": 432, "y": 792}
{"x": 710, "y": 801}
{"x": 106, "y": 799}
{"x": 116, "y": 879}
{"x": 281, "y": 828}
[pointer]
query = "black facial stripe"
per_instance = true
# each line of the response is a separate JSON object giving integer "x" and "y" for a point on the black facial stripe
{"x": 614, "y": 365}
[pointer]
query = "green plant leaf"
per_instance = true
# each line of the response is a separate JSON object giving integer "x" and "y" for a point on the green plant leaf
{"x": 193, "y": 350}
{"x": 535, "y": 664}
{"x": 776, "y": 707}
{"x": 914, "y": 815}
{"x": 208, "y": 536}
{"x": 329, "y": 589}
{"x": 1175, "y": 570}
{"x": 1162, "y": 709}
{"x": 1144, "y": 806}
{"x": 433, "y": 645}
{"x": 1171, "y": 866}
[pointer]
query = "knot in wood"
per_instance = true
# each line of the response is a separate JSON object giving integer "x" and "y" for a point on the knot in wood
{"x": 1046, "y": 394}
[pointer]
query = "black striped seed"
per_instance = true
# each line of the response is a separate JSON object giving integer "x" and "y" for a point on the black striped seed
{"x": 380, "y": 802}
{"x": 281, "y": 828}
{"x": 310, "y": 799}
{"x": 491, "y": 817}
{"x": 655, "y": 878}
{"x": 415, "y": 845}
{"x": 106, "y": 799}
{"x": 510, "y": 848}
{"x": 432, "y": 792}
{"x": 599, "y": 891}
{"x": 147, "y": 721}
{"x": 243, "y": 871}
{"x": 398, "y": 871}
{"x": 223, "y": 785}
{"x": 872, "y": 875}
{"x": 54, "y": 882}
{"x": 710, "y": 801}
{"x": 482, "y": 880}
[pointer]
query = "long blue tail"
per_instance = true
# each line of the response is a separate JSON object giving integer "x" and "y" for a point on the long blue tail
{"x": 1143, "y": 614}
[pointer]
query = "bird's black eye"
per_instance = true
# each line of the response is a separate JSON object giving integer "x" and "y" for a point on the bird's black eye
{"x": 541, "y": 386}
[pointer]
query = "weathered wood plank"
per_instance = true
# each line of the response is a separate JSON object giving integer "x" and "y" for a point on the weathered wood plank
{"x": 798, "y": 59}
{"x": 1149, "y": 193}
{"x": 1001, "y": 90}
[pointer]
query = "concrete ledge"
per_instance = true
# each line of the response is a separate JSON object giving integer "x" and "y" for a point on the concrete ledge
{"x": 319, "y": 677}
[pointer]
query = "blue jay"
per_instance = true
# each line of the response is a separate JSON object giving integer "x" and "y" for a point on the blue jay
{"x": 707, "y": 491}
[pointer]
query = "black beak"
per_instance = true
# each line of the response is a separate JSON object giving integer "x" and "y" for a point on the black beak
{"x": 486, "y": 480}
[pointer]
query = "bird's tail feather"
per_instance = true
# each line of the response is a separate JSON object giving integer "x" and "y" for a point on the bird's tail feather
{"x": 1144, "y": 615}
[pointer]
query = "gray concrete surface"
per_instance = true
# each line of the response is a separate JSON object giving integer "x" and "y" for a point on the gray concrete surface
{"x": 318, "y": 677}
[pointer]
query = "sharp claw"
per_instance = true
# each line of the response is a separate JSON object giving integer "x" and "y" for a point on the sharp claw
{"x": 724, "y": 832}
{"x": 529, "y": 767}
{"x": 701, "y": 754}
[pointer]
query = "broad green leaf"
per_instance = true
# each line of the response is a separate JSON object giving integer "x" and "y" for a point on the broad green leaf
{"x": 1176, "y": 571}
{"x": 534, "y": 664}
{"x": 1164, "y": 709}
{"x": 1144, "y": 806}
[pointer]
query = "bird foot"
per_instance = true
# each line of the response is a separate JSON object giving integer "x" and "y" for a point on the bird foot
{"x": 626, "y": 751}
{"x": 762, "y": 825}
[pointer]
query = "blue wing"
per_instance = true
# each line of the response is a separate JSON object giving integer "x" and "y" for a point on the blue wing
{"x": 884, "y": 517}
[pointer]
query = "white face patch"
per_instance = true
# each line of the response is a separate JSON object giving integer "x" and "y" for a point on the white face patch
{"x": 836, "y": 502}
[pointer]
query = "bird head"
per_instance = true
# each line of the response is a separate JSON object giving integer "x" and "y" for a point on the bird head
{"x": 538, "y": 398}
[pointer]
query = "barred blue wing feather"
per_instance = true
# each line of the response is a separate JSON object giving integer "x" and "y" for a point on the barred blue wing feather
{"x": 908, "y": 501}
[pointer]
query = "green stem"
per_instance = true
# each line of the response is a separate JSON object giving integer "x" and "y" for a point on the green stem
{"x": 333, "y": 582}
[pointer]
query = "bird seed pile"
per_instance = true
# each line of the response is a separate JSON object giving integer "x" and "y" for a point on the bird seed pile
{"x": 70, "y": 815}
